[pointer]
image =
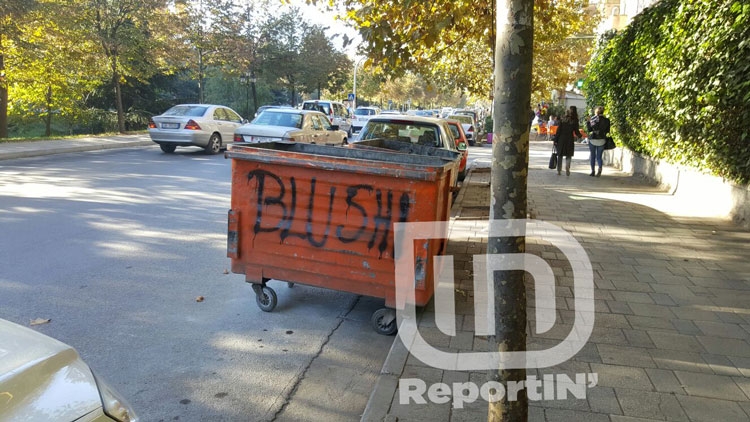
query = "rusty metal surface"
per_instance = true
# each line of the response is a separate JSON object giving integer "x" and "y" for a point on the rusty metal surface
{"x": 324, "y": 217}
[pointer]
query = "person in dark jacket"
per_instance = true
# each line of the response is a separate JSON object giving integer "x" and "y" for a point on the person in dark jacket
{"x": 598, "y": 129}
{"x": 567, "y": 131}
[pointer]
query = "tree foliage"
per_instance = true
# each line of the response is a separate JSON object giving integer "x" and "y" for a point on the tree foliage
{"x": 74, "y": 61}
{"x": 450, "y": 42}
{"x": 676, "y": 84}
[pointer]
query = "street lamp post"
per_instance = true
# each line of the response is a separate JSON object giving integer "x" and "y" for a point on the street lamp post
{"x": 248, "y": 79}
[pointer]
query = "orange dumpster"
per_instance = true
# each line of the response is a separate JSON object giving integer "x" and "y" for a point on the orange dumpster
{"x": 323, "y": 216}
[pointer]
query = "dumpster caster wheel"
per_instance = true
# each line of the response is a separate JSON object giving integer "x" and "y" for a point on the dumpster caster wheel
{"x": 384, "y": 321}
{"x": 289, "y": 284}
{"x": 266, "y": 298}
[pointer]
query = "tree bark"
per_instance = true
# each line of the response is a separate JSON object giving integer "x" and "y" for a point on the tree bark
{"x": 3, "y": 95}
{"x": 510, "y": 162}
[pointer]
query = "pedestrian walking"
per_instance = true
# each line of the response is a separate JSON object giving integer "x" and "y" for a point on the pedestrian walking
{"x": 598, "y": 129}
{"x": 568, "y": 130}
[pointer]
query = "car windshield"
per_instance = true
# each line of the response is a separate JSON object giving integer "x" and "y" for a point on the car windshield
{"x": 278, "y": 118}
{"x": 186, "y": 110}
{"x": 325, "y": 108}
{"x": 426, "y": 113}
{"x": 403, "y": 131}
{"x": 463, "y": 118}
{"x": 364, "y": 112}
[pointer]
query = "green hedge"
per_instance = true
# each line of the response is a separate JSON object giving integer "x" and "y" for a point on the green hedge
{"x": 676, "y": 84}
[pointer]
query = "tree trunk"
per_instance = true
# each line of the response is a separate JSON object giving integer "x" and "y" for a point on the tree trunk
{"x": 118, "y": 102}
{"x": 510, "y": 162}
{"x": 3, "y": 95}
{"x": 48, "y": 123}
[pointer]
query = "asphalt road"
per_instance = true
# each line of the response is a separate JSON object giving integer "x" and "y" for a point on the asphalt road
{"x": 118, "y": 247}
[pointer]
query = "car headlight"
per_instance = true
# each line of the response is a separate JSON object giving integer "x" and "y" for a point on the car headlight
{"x": 113, "y": 404}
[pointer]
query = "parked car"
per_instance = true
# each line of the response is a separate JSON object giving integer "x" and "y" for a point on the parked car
{"x": 290, "y": 125}
{"x": 208, "y": 126}
{"x": 338, "y": 115}
{"x": 469, "y": 126}
{"x": 362, "y": 115}
{"x": 43, "y": 379}
{"x": 462, "y": 145}
{"x": 266, "y": 107}
{"x": 425, "y": 131}
{"x": 390, "y": 112}
{"x": 478, "y": 127}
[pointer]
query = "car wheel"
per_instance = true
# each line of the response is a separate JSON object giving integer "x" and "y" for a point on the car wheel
{"x": 462, "y": 175}
{"x": 214, "y": 144}
{"x": 349, "y": 133}
{"x": 168, "y": 148}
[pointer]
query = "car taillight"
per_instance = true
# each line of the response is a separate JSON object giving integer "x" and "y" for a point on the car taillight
{"x": 471, "y": 128}
{"x": 151, "y": 124}
{"x": 238, "y": 138}
{"x": 192, "y": 125}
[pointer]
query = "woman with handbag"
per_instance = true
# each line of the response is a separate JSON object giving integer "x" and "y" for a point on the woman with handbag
{"x": 567, "y": 130}
{"x": 598, "y": 129}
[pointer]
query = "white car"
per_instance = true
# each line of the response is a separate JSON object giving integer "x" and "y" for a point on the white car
{"x": 337, "y": 114}
{"x": 42, "y": 379}
{"x": 290, "y": 125}
{"x": 208, "y": 126}
{"x": 469, "y": 125}
{"x": 362, "y": 115}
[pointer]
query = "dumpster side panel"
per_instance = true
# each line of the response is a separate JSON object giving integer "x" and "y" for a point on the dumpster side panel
{"x": 330, "y": 228}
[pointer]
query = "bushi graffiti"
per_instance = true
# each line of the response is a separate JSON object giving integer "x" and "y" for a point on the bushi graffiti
{"x": 291, "y": 219}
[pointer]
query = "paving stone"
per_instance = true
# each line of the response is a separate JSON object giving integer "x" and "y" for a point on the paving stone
{"x": 700, "y": 409}
{"x": 656, "y": 311}
{"x": 725, "y": 346}
{"x": 618, "y": 418}
{"x": 632, "y": 297}
{"x": 645, "y": 322}
{"x": 619, "y": 307}
{"x": 722, "y": 329}
{"x": 649, "y": 404}
{"x": 744, "y": 384}
{"x": 678, "y": 360}
{"x": 665, "y": 381}
{"x": 622, "y": 376}
{"x": 603, "y": 400}
{"x": 627, "y": 356}
{"x": 663, "y": 299}
{"x": 674, "y": 341}
{"x": 573, "y": 415}
{"x": 711, "y": 386}
{"x": 692, "y": 313}
{"x": 686, "y": 326}
{"x": 638, "y": 338}
{"x": 632, "y": 286}
{"x": 742, "y": 364}
{"x": 721, "y": 365}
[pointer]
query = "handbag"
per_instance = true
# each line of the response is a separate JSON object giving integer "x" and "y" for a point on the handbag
{"x": 609, "y": 143}
{"x": 553, "y": 158}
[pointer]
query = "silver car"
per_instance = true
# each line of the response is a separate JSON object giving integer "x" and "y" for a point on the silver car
{"x": 42, "y": 379}
{"x": 208, "y": 126}
{"x": 290, "y": 125}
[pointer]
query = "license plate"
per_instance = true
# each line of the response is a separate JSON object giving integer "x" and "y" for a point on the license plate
{"x": 170, "y": 125}
{"x": 260, "y": 139}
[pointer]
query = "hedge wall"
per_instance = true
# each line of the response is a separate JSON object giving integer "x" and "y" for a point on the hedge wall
{"x": 676, "y": 84}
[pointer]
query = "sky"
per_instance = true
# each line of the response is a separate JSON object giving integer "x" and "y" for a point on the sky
{"x": 316, "y": 15}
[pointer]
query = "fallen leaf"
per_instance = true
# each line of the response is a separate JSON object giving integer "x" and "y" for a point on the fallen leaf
{"x": 199, "y": 299}
{"x": 39, "y": 321}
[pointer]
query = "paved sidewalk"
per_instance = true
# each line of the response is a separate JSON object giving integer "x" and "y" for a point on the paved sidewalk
{"x": 671, "y": 337}
{"x": 13, "y": 150}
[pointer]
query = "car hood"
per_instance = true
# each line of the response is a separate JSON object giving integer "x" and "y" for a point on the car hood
{"x": 265, "y": 130}
{"x": 42, "y": 378}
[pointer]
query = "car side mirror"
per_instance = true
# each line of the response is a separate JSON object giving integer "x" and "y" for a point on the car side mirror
{"x": 461, "y": 146}
{"x": 334, "y": 127}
